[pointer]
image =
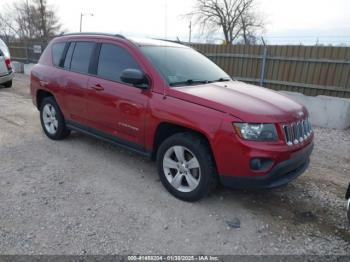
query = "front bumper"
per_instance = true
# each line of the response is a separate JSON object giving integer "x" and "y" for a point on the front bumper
{"x": 6, "y": 78}
{"x": 281, "y": 174}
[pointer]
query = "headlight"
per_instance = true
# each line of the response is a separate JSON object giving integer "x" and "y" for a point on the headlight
{"x": 257, "y": 132}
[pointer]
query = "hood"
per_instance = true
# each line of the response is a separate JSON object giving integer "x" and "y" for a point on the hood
{"x": 247, "y": 102}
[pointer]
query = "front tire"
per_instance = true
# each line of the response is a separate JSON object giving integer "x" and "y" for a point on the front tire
{"x": 186, "y": 167}
{"x": 52, "y": 120}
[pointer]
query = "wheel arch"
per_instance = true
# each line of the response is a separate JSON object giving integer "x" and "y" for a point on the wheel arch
{"x": 41, "y": 94}
{"x": 166, "y": 129}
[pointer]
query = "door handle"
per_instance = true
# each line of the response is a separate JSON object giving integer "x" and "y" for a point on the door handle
{"x": 97, "y": 87}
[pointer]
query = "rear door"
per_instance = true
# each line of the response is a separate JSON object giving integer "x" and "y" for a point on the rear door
{"x": 75, "y": 80}
{"x": 113, "y": 106}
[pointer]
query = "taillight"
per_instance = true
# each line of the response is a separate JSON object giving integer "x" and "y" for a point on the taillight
{"x": 8, "y": 63}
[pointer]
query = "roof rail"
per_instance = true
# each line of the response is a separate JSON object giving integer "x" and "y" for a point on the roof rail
{"x": 178, "y": 41}
{"x": 95, "y": 33}
{"x": 167, "y": 40}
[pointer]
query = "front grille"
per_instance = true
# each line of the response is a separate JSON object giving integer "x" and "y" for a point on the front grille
{"x": 297, "y": 132}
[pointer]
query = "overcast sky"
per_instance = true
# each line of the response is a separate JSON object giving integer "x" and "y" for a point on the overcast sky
{"x": 286, "y": 20}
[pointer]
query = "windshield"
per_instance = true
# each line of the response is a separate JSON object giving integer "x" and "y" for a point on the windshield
{"x": 184, "y": 66}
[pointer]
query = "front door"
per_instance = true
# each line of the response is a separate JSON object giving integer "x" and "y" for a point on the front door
{"x": 114, "y": 107}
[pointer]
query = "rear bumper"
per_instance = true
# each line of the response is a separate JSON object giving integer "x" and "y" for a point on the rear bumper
{"x": 6, "y": 78}
{"x": 281, "y": 174}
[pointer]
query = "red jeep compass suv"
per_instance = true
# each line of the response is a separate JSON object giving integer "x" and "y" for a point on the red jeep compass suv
{"x": 170, "y": 103}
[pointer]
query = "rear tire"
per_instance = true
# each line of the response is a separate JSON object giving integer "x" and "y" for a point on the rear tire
{"x": 52, "y": 120}
{"x": 8, "y": 84}
{"x": 186, "y": 166}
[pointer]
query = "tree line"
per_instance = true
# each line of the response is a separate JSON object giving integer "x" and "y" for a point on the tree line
{"x": 29, "y": 20}
{"x": 236, "y": 20}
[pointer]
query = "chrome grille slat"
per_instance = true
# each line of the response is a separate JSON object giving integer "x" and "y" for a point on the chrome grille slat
{"x": 297, "y": 132}
{"x": 300, "y": 128}
{"x": 304, "y": 129}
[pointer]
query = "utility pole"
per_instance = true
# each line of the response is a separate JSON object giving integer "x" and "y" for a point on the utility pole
{"x": 29, "y": 36}
{"x": 263, "y": 63}
{"x": 81, "y": 21}
{"x": 317, "y": 41}
{"x": 190, "y": 34}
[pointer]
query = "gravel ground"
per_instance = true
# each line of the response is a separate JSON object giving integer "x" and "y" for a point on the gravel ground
{"x": 83, "y": 196}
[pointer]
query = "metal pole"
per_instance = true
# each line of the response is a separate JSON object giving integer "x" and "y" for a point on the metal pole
{"x": 263, "y": 66}
{"x": 27, "y": 52}
{"x": 190, "y": 35}
{"x": 81, "y": 21}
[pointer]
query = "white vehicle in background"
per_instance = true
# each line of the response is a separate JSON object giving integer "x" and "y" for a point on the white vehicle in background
{"x": 6, "y": 71}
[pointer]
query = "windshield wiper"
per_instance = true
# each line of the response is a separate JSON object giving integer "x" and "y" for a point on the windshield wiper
{"x": 222, "y": 79}
{"x": 189, "y": 82}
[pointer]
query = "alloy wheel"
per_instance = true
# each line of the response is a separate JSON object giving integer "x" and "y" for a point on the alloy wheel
{"x": 50, "y": 119}
{"x": 182, "y": 169}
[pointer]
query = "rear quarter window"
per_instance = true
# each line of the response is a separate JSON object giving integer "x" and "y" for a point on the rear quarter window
{"x": 57, "y": 52}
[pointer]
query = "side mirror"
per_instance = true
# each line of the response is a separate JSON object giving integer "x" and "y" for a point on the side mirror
{"x": 135, "y": 77}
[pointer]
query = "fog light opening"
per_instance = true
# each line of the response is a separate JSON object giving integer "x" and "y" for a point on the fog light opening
{"x": 260, "y": 164}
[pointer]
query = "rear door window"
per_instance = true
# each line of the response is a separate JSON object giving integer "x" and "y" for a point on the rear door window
{"x": 82, "y": 56}
{"x": 57, "y": 52}
{"x": 113, "y": 60}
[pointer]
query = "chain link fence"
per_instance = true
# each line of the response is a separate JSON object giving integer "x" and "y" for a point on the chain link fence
{"x": 27, "y": 51}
